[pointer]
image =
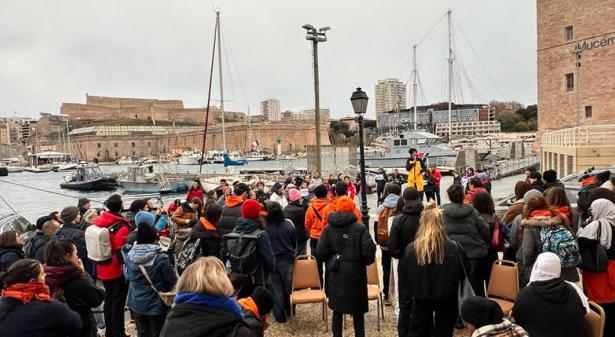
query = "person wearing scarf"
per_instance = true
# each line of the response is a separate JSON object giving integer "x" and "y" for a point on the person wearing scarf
{"x": 203, "y": 304}
{"x": 550, "y": 306}
{"x": 600, "y": 287}
{"x": 69, "y": 283}
{"x": 485, "y": 318}
{"x": 26, "y": 306}
{"x": 256, "y": 308}
{"x": 540, "y": 219}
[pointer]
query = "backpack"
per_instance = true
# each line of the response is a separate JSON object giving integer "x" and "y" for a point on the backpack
{"x": 190, "y": 252}
{"x": 98, "y": 242}
{"x": 382, "y": 229}
{"x": 559, "y": 240}
{"x": 240, "y": 252}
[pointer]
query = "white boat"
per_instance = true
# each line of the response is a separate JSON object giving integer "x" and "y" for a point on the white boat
{"x": 65, "y": 167}
{"x": 190, "y": 157}
{"x": 38, "y": 169}
{"x": 127, "y": 161}
{"x": 214, "y": 157}
{"x": 142, "y": 179}
{"x": 256, "y": 156}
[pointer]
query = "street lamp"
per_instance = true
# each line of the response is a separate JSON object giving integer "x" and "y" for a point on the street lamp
{"x": 359, "y": 105}
{"x": 316, "y": 36}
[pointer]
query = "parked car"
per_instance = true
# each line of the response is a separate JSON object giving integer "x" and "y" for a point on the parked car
{"x": 10, "y": 221}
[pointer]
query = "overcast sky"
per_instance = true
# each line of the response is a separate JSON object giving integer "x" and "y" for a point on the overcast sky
{"x": 56, "y": 51}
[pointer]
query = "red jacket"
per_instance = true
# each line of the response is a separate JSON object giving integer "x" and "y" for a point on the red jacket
{"x": 470, "y": 195}
{"x": 113, "y": 270}
{"x": 437, "y": 176}
{"x": 195, "y": 193}
{"x": 351, "y": 191}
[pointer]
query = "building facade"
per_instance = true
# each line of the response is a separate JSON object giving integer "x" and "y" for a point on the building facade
{"x": 576, "y": 100}
{"x": 468, "y": 129}
{"x": 390, "y": 96}
{"x": 270, "y": 108}
{"x": 428, "y": 116}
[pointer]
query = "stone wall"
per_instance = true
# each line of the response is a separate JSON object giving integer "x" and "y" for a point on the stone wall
{"x": 592, "y": 20}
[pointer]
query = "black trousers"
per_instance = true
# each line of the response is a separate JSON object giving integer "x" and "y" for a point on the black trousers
{"x": 379, "y": 193}
{"x": 385, "y": 259}
{"x": 609, "y": 313}
{"x": 115, "y": 299}
{"x": 149, "y": 326}
{"x": 404, "y": 320}
{"x": 319, "y": 261}
{"x": 358, "y": 322}
{"x": 437, "y": 193}
{"x": 425, "y": 324}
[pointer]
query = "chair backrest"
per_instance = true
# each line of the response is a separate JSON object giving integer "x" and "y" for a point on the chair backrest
{"x": 595, "y": 320}
{"x": 504, "y": 280}
{"x": 305, "y": 273}
{"x": 372, "y": 274}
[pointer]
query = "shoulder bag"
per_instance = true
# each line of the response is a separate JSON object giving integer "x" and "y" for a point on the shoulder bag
{"x": 465, "y": 289}
{"x": 167, "y": 298}
{"x": 333, "y": 264}
{"x": 594, "y": 256}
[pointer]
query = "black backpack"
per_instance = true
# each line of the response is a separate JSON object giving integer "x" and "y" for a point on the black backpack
{"x": 190, "y": 252}
{"x": 239, "y": 249}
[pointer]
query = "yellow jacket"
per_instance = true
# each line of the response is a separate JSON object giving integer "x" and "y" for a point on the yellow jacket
{"x": 415, "y": 174}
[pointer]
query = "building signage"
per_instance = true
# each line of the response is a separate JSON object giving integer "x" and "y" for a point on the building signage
{"x": 582, "y": 46}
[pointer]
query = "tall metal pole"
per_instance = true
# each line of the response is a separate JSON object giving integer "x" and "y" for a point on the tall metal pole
{"x": 211, "y": 76}
{"x": 317, "y": 104}
{"x": 414, "y": 84}
{"x": 364, "y": 209}
{"x": 450, "y": 77}
{"x": 221, "y": 84}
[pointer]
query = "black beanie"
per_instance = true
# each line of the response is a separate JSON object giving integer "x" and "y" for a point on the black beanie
{"x": 146, "y": 234}
{"x": 263, "y": 299}
{"x": 480, "y": 311}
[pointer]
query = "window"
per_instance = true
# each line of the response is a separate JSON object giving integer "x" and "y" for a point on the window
{"x": 97, "y": 154}
{"x": 116, "y": 154}
{"x": 396, "y": 142}
{"x": 133, "y": 144}
{"x": 569, "y": 33}
{"x": 570, "y": 82}
{"x": 134, "y": 153}
{"x": 98, "y": 145}
{"x": 149, "y": 143}
{"x": 588, "y": 111}
{"x": 114, "y": 144}
{"x": 404, "y": 142}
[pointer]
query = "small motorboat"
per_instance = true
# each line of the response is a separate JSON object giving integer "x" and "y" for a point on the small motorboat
{"x": 38, "y": 169}
{"x": 257, "y": 156}
{"x": 89, "y": 178}
{"x": 190, "y": 157}
{"x": 65, "y": 167}
{"x": 142, "y": 179}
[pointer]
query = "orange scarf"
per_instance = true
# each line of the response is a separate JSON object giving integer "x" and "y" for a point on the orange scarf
{"x": 541, "y": 212}
{"x": 565, "y": 210}
{"x": 208, "y": 225}
{"x": 249, "y": 305}
{"x": 25, "y": 292}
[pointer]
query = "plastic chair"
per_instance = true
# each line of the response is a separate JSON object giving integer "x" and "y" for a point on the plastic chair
{"x": 306, "y": 287}
{"x": 373, "y": 290}
{"x": 504, "y": 285}
{"x": 595, "y": 320}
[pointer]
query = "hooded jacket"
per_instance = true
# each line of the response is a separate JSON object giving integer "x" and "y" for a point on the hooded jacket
{"x": 531, "y": 245}
{"x": 211, "y": 241}
{"x": 231, "y": 212}
{"x": 389, "y": 202}
{"x": 465, "y": 226}
{"x": 283, "y": 240}
{"x": 113, "y": 270}
{"x": 404, "y": 228}
{"x": 184, "y": 216}
{"x": 333, "y": 207}
{"x": 263, "y": 246}
{"x": 8, "y": 256}
{"x": 295, "y": 213}
{"x": 550, "y": 309}
{"x": 203, "y": 321}
{"x": 78, "y": 291}
{"x": 356, "y": 252}
{"x": 314, "y": 217}
{"x": 38, "y": 319}
{"x": 142, "y": 299}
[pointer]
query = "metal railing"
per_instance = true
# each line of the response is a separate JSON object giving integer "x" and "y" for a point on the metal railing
{"x": 581, "y": 136}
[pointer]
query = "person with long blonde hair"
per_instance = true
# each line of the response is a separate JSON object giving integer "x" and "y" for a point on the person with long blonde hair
{"x": 429, "y": 274}
{"x": 203, "y": 304}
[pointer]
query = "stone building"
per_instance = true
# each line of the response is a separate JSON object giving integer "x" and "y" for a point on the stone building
{"x": 576, "y": 100}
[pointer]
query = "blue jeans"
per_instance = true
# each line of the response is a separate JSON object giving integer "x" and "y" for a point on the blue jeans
{"x": 279, "y": 283}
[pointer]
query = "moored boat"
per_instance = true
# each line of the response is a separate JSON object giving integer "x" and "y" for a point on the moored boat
{"x": 89, "y": 178}
{"x": 142, "y": 179}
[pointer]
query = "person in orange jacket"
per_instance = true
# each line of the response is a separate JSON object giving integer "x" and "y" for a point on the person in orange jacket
{"x": 314, "y": 219}
{"x": 341, "y": 189}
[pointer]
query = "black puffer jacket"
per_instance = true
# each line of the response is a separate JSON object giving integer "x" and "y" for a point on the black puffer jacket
{"x": 8, "y": 256}
{"x": 203, "y": 322}
{"x": 295, "y": 213}
{"x": 38, "y": 319}
{"x": 347, "y": 287}
{"x": 230, "y": 214}
{"x": 211, "y": 241}
{"x": 465, "y": 226}
{"x": 37, "y": 246}
{"x": 404, "y": 228}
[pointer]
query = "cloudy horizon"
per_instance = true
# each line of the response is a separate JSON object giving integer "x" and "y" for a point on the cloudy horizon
{"x": 57, "y": 51}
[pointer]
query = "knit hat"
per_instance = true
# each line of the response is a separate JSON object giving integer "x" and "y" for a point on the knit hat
{"x": 146, "y": 234}
{"x": 480, "y": 311}
{"x": 143, "y": 217}
{"x": 69, "y": 214}
{"x": 263, "y": 299}
{"x": 530, "y": 194}
{"x": 82, "y": 201}
{"x": 345, "y": 204}
{"x": 250, "y": 209}
{"x": 293, "y": 194}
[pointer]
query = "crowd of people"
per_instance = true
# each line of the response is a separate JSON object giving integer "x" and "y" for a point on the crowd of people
{"x": 217, "y": 262}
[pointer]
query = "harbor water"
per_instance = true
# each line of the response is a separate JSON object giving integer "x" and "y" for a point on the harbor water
{"x": 36, "y": 194}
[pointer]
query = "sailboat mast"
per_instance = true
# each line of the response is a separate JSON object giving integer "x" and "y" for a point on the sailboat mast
{"x": 450, "y": 77}
{"x": 221, "y": 84}
{"x": 414, "y": 84}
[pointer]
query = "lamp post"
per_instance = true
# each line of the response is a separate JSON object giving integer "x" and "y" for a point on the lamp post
{"x": 316, "y": 36}
{"x": 359, "y": 105}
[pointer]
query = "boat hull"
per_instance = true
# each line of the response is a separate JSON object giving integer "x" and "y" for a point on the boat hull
{"x": 143, "y": 187}
{"x": 98, "y": 184}
{"x": 188, "y": 161}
